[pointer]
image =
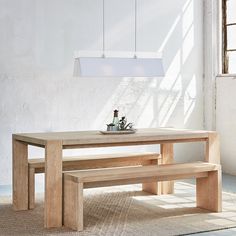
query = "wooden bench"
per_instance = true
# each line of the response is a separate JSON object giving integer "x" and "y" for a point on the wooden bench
{"x": 90, "y": 162}
{"x": 208, "y": 184}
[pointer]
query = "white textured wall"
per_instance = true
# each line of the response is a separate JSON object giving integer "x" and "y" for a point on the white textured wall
{"x": 38, "y": 92}
{"x": 212, "y": 58}
{"x": 220, "y": 108}
{"x": 226, "y": 122}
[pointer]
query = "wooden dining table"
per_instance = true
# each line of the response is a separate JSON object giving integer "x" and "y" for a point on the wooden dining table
{"x": 55, "y": 142}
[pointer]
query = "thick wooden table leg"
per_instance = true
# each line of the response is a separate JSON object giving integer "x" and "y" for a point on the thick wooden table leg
{"x": 167, "y": 158}
{"x": 153, "y": 187}
{"x": 20, "y": 175}
{"x": 213, "y": 148}
{"x": 209, "y": 192}
{"x": 53, "y": 184}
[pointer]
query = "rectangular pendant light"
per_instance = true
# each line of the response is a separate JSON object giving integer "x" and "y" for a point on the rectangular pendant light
{"x": 119, "y": 66}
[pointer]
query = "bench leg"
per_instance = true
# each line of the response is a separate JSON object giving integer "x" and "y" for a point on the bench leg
{"x": 152, "y": 187}
{"x": 73, "y": 205}
{"x": 209, "y": 192}
{"x": 31, "y": 178}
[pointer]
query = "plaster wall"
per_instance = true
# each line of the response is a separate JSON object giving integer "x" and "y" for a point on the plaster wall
{"x": 226, "y": 122}
{"x": 38, "y": 92}
{"x": 219, "y": 90}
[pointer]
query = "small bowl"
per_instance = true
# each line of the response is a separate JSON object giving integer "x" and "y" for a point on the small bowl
{"x": 112, "y": 127}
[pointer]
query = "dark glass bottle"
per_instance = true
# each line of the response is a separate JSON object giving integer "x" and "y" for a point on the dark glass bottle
{"x": 116, "y": 119}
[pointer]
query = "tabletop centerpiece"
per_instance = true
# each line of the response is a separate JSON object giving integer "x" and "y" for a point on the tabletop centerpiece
{"x": 119, "y": 126}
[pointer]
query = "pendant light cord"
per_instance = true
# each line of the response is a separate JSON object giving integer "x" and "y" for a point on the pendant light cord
{"x": 135, "y": 29}
{"x": 103, "y": 28}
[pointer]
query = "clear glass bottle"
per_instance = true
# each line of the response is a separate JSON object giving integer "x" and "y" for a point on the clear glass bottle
{"x": 116, "y": 120}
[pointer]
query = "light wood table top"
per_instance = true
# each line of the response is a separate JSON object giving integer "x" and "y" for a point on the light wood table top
{"x": 95, "y": 138}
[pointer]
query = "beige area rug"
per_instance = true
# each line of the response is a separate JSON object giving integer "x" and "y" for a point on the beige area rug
{"x": 125, "y": 210}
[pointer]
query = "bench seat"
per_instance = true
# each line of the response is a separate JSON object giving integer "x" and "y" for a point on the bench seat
{"x": 37, "y": 165}
{"x": 208, "y": 184}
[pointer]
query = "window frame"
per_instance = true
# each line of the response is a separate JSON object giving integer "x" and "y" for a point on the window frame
{"x": 225, "y": 50}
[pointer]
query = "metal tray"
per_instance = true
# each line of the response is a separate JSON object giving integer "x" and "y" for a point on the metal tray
{"x": 129, "y": 131}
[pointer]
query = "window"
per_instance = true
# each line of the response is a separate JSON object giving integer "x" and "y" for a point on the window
{"x": 229, "y": 36}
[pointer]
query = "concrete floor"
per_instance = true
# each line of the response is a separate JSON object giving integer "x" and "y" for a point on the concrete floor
{"x": 229, "y": 185}
{"x": 226, "y": 232}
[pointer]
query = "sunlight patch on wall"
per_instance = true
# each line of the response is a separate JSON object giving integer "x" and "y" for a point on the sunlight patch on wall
{"x": 188, "y": 30}
{"x": 190, "y": 99}
{"x": 168, "y": 101}
{"x": 105, "y": 115}
{"x": 187, "y": 20}
{"x": 170, "y": 90}
{"x": 147, "y": 114}
{"x": 131, "y": 98}
{"x": 168, "y": 36}
{"x": 172, "y": 71}
{"x": 188, "y": 44}
{"x": 149, "y": 103}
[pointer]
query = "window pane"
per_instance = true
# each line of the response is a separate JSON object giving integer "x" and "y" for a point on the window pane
{"x": 231, "y": 35}
{"x": 232, "y": 62}
{"x": 231, "y": 9}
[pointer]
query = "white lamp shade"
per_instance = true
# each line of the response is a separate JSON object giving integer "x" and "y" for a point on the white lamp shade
{"x": 120, "y": 67}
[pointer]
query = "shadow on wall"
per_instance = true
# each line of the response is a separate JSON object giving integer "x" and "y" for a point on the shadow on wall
{"x": 168, "y": 101}
{"x": 61, "y": 102}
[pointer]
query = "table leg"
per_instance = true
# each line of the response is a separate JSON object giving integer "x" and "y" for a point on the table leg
{"x": 167, "y": 155}
{"x": 20, "y": 175}
{"x": 53, "y": 184}
{"x": 212, "y": 153}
